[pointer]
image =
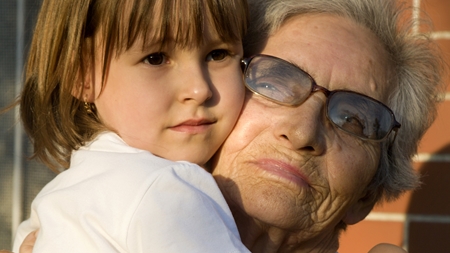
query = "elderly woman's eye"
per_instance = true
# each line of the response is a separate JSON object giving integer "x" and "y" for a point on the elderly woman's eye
{"x": 354, "y": 125}
{"x": 217, "y": 55}
{"x": 155, "y": 58}
{"x": 271, "y": 90}
{"x": 265, "y": 86}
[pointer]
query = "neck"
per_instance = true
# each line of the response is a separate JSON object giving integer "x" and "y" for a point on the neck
{"x": 259, "y": 237}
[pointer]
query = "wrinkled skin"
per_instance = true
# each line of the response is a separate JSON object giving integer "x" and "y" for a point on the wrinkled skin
{"x": 290, "y": 176}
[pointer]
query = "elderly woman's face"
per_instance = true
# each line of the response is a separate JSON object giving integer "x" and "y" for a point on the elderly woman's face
{"x": 290, "y": 167}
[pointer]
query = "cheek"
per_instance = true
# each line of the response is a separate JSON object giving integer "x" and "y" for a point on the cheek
{"x": 352, "y": 169}
{"x": 251, "y": 124}
{"x": 228, "y": 84}
{"x": 241, "y": 139}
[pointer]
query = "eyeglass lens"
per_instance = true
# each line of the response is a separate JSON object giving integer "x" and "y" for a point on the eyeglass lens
{"x": 287, "y": 84}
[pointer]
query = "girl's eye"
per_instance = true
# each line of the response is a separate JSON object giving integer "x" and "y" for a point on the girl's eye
{"x": 217, "y": 55}
{"x": 155, "y": 58}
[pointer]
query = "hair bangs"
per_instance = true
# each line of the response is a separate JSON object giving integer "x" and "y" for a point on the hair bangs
{"x": 174, "y": 21}
{"x": 230, "y": 18}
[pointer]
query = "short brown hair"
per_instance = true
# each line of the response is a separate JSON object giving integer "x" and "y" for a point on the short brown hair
{"x": 62, "y": 51}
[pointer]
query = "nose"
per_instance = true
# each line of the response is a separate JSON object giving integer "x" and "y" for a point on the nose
{"x": 196, "y": 85}
{"x": 303, "y": 128}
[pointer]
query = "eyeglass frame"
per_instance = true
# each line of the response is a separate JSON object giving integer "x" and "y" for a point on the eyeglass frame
{"x": 395, "y": 125}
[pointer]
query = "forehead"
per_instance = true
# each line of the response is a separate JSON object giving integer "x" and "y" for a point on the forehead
{"x": 335, "y": 51}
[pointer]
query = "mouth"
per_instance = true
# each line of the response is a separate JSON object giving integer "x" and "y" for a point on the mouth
{"x": 194, "y": 126}
{"x": 283, "y": 171}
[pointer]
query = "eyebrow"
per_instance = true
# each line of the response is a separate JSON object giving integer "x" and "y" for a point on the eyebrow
{"x": 304, "y": 69}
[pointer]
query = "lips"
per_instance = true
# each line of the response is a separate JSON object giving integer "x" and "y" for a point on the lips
{"x": 284, "y": 171}
{"x": 194, "y": 126}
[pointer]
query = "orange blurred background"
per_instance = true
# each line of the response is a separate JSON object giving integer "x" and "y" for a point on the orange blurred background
{"x": 419, "y": 221}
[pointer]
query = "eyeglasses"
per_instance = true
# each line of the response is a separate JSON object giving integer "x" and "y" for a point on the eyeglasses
{"x": 284, "y": 83}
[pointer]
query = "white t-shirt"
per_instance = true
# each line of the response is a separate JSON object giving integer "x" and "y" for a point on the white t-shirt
{"x": 116, "y": 198}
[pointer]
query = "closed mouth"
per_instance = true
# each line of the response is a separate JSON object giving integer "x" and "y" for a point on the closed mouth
{"x": 194, "y": 126}
{"x": 283, "y": 170}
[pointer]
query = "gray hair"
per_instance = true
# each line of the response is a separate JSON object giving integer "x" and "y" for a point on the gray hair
{"x": 416, "y": 79}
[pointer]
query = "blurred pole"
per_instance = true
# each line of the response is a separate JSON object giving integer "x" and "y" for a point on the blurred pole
{"x": 17, "y": 184}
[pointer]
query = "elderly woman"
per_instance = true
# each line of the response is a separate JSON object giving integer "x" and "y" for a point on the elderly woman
{"x": 340, "y": 97}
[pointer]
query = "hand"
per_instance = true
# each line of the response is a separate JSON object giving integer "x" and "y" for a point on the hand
{"x": 5, "y": 251}
{"x": 28, "y": 242}
{"x": 384, "y": 248}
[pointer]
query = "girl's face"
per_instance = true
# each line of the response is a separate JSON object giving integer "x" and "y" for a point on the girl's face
{"x": 177, "y": 103}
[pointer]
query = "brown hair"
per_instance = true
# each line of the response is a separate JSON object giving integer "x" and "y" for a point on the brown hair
{"x": 62, "y": 51}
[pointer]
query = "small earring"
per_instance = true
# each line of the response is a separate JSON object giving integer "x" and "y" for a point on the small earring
{"x": 87, "y": 106}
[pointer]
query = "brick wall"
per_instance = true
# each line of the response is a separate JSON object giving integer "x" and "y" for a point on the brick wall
{"x": 418, "y": 221}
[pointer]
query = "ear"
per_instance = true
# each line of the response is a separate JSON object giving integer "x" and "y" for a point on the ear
{"x": 84, "y": 91}
{"x": 358, "y": 211}
{"x": 84, "y": 87}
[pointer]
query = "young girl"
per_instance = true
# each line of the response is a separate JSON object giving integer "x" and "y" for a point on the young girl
{"x": 115, "y": 90}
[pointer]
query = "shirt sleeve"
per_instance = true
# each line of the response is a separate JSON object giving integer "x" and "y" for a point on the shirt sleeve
{"x": 183, "y": 211}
